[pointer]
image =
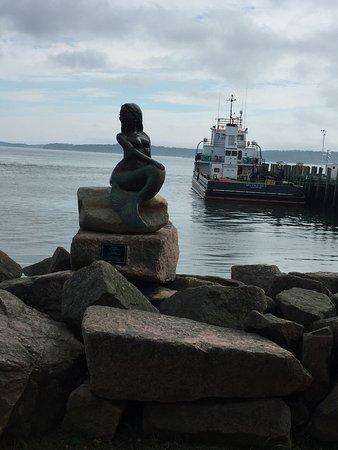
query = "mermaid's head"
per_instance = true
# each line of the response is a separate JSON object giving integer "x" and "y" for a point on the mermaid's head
{"x": 131, "y": 117}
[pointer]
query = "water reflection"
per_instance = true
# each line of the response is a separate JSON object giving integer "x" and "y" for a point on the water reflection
{"x": 291, "y": 236}
{"x": 217, "y": 214}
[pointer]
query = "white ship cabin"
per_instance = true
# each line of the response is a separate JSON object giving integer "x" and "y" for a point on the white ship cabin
{"x": 227, "y": 155}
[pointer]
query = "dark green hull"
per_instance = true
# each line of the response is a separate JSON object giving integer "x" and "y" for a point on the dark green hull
{"x": 248, "y": 191}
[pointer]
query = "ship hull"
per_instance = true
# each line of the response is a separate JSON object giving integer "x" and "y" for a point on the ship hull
{"x": 253, "y": 192}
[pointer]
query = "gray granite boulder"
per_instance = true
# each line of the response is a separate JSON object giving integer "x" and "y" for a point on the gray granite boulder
{"x": 334, "y": 300}
{"x": 272, "y": 307}
{"x": 137, "y": 355}
{"x": 263, "y": 423}
{"x": 332, "y": 323}
{"x": 60, "y": 260}
{"x": 284, "y": 282}
{"x": 90, "y": 415}
{"x": 217, "y": 305}
{"x": 9, "y": 269}
{"x": 305, "y": 306}
{"x": 300, "y": 413}
{"x": 185, "y": 281}
{"x": 99, "y": 284}
{"x": 42, "y": 292}
{"x": 217, "y": 280}
{"x": 316, "y": 352}
{"x": 325, "y": 418}
{"x": 285, "y": 333}
{"x": 261, "y": 275}
{"x": 41, "y": 362}
{"x": 328, "y": 279}
{"x": 39, "y": 268}
{"x": 156, "y": 293}
{"x": 182, "y": 282}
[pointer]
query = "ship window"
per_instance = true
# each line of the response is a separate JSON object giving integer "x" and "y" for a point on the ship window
{"x": 239, "y": 154}
{"x": 234, "y": 153}
{"x": 216, "y": 170}
{"x": 228, "y": 153}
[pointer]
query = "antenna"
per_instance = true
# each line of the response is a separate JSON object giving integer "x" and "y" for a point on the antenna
{"x": 245, "y": 102}
{"x": 219, "y": 103}
{"x": 231, "y": 100}
{"x": 219, "y": 106}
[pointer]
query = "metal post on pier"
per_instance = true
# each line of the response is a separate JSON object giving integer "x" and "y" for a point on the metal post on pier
{"x": 306, "y": 184}
{"x": 335, "y": 193}
{"x": 319, "y": 179}
{"x": 309, "y": 188}
{"x": 323, "y": 144}
{"x": 327, "y": 185}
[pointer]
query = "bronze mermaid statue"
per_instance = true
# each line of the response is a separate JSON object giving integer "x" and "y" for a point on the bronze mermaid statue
{"x": 137, "y": 177}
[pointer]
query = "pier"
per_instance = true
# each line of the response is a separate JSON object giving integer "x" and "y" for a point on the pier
{"x": 320, "y": 189}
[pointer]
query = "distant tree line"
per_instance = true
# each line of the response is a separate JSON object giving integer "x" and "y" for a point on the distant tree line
{"x": 295, "y": 156}
{"x": 287, "y": 156}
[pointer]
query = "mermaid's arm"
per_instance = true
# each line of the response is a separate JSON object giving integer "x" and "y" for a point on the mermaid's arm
{"x": 139, "y": 155}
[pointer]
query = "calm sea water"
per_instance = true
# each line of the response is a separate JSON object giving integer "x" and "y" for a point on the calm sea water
{"x": 39, "y": 212}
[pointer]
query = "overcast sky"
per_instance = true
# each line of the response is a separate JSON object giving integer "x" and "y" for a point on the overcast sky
{"x": 68, "y": 65}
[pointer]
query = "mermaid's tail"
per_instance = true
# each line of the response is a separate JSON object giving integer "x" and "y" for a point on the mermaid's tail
{"x": 125, "y": 204}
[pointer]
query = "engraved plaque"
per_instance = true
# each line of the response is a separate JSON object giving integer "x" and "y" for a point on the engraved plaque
{"x": 114, "y": 253}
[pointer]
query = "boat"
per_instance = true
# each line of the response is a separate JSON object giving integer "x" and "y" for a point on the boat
{"x": 229, "y": 167}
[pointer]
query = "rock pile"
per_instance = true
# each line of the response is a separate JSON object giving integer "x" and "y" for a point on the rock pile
{"x": 217, "y": 360}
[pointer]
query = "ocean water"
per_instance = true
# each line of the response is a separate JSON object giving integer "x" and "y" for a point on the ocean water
{"x": 39, "y": 212}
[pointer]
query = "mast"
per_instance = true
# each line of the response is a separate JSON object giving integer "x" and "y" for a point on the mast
{"x": 231, "y": 100}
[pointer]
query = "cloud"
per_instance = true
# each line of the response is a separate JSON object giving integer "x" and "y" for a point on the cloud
{"x": 218, "y": 39}
{"x": 175, "y": 56}
{"x": 224, "y": 41}
{"x": 88, "y": 59}
{"x": 188, "y": 97}
{"x": 23, "y": 96}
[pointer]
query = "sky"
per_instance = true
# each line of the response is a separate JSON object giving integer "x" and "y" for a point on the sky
{"x": 66, "y": 67}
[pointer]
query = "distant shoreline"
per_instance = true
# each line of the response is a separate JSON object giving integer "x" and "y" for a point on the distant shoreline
{"x": 287, "y": 156}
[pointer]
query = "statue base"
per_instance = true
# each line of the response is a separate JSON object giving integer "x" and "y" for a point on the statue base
{"x": 139, "y": 257}
{"x": 96, "y": 213}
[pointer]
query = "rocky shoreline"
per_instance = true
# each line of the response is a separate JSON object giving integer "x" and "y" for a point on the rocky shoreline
{"x": 250, "y": 360}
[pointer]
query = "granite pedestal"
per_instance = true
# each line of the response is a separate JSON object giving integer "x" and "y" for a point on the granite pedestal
{"x": 146, "y": 254}
{"x": 96, "y": 213}
{"x": 140, "y": 257}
